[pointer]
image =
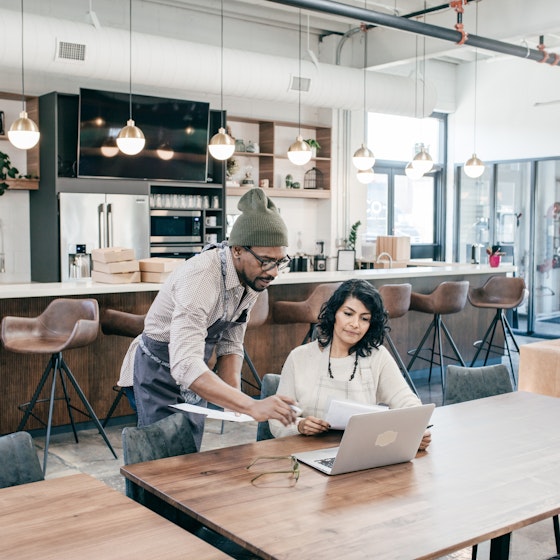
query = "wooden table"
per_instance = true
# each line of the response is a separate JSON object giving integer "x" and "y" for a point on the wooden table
{"x": 493, "y": 467}
{"x": 80, "y": 517}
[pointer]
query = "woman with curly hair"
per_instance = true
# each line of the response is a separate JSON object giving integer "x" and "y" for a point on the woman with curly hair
{"x": 347, "y": 361}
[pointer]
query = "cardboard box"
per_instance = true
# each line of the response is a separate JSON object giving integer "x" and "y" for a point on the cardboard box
{"x": 156, "y": 277}
{"x": 122, "y": 278}
{"x": 112, "y": 254}
{"x": 116, "y": 267}
{"x": 397, "y": 246}
{"x": 159, "y": 264}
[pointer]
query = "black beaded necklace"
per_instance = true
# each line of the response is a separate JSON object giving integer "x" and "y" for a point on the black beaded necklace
{"x": 353, "y": 371}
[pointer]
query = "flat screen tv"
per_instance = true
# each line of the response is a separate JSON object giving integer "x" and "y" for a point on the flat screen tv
{"x": 176, "y": 134}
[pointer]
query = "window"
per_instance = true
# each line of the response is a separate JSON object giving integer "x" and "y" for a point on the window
{"x": 397, "y": 205}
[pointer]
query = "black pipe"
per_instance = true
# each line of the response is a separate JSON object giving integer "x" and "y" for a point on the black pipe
{"x": 419, "y": 28}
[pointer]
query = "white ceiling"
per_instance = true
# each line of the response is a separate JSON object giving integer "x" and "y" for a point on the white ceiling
{"x": 266, "y": 27}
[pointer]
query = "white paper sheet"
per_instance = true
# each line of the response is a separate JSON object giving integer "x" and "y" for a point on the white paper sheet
{"x": 213, "y": 413}
{"x": 339, "y": 412}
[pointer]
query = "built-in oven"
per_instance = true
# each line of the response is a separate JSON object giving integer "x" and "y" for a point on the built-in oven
{"x": 175, "y": 251}
{"x": 175, "y": 226}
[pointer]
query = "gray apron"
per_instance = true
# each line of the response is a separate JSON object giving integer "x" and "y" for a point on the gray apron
{"x": 154, "y": 387}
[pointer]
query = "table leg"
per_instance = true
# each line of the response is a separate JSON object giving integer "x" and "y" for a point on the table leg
{"x": 499, "y": 547}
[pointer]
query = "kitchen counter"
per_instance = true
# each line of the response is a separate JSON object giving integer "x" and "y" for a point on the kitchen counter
{"x": 97, "y": 366}
{"x": 88, "y": 287}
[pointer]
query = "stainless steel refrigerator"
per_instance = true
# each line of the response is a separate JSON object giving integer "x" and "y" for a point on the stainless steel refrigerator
{"x": 93, "y": 221}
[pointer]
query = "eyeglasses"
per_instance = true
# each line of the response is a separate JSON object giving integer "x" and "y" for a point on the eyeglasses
{"x": 292, "y": 469}
{"x": 267, "y": 264}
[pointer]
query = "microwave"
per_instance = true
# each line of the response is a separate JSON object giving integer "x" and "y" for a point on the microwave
{"x": 175, "y": 226}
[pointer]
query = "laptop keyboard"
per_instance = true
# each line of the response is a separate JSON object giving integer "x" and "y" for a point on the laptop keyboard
{"x": 326, "y": 462}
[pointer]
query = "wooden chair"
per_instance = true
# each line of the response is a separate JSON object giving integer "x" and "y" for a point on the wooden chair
{"x": 19, "y": 463}
{"x": 447, "y": 298}
{"x": 63, "y": 325}
{"x": 120, "y": 323}
{"x": 307, "y": 311}
{"x": 396, "y": 300}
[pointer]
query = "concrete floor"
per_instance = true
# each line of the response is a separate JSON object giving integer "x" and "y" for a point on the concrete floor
{"x": 91, "y": 456}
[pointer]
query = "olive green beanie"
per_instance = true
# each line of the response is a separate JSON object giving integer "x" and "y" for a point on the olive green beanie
{"x": 259, "y": 224}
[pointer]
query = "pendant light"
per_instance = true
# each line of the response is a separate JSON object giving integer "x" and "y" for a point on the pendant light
{"x": 221, "y": 145}
{"x": 474, "y": 167}
{"x": 130, "y": 139}
{"x": 410, "y": 171}
{"x": 299, "y": 153}
{"x": 365, "y": 176}
{"x": 24, "y": 133}
{"x": 363, "y": 158}
{"x": 422, "y": 161}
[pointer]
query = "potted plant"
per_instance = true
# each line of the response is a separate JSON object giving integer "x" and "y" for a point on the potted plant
{"x": 314, "y": 145}
{"x": 7, "y": 171}
{"x": 353, "y": 236}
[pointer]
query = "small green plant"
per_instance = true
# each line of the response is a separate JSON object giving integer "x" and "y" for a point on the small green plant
{"x": 353, "y": 236}
{"x": 7, "y": 171}
{"x": 312, "y": 143}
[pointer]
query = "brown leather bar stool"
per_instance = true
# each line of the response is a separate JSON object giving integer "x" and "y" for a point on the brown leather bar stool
{"x": 63, "y": 325}
{"x": 120, "y": 323}
{"x": 257, "y": 318}
{"x": 307, "y": 311}
{"x": 396, "y": 300}
{"x": 499, "y": 293}
{"x": 447, "y": 298}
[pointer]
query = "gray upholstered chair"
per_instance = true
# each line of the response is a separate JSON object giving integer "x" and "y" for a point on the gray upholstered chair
{"x": 169, "y": 437}
{"x": 19, "y": 463}
{"x": 470, "y": 383}
{"x": 269, "y": 387}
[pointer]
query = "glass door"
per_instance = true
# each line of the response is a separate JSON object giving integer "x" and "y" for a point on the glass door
{"x": 546, "y": 269}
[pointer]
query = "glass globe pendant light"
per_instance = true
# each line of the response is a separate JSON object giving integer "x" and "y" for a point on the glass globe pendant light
{"x": 221, "y": 145}
{"x": 299, "y": 153}
{"x": 24, "y": 133}
{"x": 131, "y": 139}
{"x": 363, "y": 158}
{"x": 474, "y": 167}
{"x": 422, "y": 161}
{"x": 365, "y": 176}
{"x": 412, "y": 173}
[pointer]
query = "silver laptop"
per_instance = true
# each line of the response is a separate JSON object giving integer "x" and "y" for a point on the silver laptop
{"x": 374, "y": 439}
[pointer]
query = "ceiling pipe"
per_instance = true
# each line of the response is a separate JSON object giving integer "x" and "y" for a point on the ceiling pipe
{"x": 419, "y": 28}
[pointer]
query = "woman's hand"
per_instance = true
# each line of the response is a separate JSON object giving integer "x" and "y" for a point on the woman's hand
{"x": 426, "y": 440}
{"x": 309, "y": 426}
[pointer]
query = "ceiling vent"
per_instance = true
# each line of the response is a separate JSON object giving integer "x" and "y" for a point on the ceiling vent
{"x": 70, "y": 52}
{"x": 300, "y": 84}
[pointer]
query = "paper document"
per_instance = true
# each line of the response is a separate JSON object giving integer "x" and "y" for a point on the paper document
{"x": 339, "y": 412}
{"x": 213, "y": 413}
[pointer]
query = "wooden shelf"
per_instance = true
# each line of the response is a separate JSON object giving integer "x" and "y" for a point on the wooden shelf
{"x": 283, "y": 193}
{"x": 272, "y": 163}
{"x": 23, "y": 184}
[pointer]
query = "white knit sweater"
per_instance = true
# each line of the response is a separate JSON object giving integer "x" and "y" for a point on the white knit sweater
{"x": 377, "y": 380}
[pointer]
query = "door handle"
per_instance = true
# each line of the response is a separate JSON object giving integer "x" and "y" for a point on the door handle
{"x": 101, "y": 225}
{"x": 109, "y": 225}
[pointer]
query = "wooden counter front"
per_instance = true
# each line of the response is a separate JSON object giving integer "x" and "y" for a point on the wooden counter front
{"x": 97, "y": 366}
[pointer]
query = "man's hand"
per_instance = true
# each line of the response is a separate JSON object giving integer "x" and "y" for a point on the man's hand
{"x": 276, "y": 407}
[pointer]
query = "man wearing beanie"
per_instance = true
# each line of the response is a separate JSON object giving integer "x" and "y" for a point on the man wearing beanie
{"x": 204, "y": 306}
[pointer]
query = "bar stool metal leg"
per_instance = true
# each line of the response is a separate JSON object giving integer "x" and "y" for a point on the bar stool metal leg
{"x": 400, "y": 363}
